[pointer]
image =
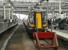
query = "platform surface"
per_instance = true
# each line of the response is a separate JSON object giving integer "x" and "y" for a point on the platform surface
{"x": 4, "y": 27}
{"x": 62, "y": 33}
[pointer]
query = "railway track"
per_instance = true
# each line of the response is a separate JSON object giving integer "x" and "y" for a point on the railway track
{"x": 63, "y": 44}
{"x": 18, "y": 39}
{"x": 4, "y": 36}
{"x": 8, "y": 38}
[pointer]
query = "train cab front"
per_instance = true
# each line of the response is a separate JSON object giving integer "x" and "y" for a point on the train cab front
{"x": 37, "y": 21}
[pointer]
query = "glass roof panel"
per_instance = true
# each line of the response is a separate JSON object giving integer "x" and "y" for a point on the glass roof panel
{"x": 1, "y": 0}
{"x": 26, "y": 0}
{"x": 36, "y": 0}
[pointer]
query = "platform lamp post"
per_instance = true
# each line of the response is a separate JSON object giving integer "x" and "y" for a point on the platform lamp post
{"x": 60, "y": 10}
{"x": 4, "y": 8}
{"x": 52, "y": 18}
{"x": 12, "y": 12}
{"x": 9, "y": 11}
{"x": 47, "y": 7}
{"x": 4, "y": 11}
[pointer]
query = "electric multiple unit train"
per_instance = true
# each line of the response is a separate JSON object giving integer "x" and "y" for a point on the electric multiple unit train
{"x": 37, "y": 21}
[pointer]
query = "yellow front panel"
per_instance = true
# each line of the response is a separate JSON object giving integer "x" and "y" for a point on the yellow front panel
{"x": 38, "y": 20}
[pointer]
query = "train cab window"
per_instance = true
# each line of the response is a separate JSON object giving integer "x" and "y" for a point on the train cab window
{"x": 31, "y": 17}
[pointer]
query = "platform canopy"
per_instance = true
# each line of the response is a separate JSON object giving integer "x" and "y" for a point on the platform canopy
{"x": 22, "y": 6}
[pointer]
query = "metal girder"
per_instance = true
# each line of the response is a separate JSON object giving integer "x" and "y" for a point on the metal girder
{"x": 25, "y": 0}
{"x": 8, "y": 2}
{"x": 22, "y": 12}
{"x": 26, "y": 12}
{"x": 57, "y": 10}
{"x": 50, "y": 4}
{"x": 38, "y": 0}
{"x": 23, "y": 4}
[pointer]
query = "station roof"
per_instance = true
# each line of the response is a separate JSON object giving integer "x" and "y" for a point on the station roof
{"x": 22, "y": 6}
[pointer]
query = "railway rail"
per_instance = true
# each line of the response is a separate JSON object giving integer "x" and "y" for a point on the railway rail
{"x": 18, "y": 39}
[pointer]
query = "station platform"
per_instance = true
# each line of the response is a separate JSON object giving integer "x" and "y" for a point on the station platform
{"x": 4, "y": 26}
{"x": 62, "y": 33}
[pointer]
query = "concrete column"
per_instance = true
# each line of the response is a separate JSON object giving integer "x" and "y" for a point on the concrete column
{"x": 60, "y": 9}
{"x": 12, "y": 13}
{"x": 4, "y": 11}
{"x": 9, "y": 13}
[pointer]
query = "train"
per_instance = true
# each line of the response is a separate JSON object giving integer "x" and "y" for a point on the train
{"x": 37, "y": 29}
{"x": 37, "y": 21}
